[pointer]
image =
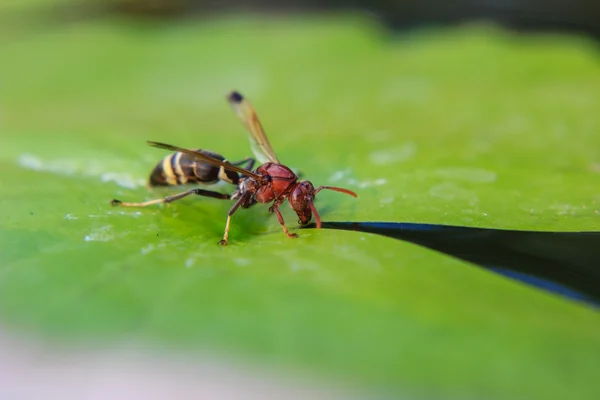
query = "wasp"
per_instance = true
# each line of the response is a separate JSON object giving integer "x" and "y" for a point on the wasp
{"x": 272, "y": 182}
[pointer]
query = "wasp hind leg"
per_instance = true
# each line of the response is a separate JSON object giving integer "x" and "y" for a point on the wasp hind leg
{"x": 170, "y": 199}
{"x": 246, "y": 163}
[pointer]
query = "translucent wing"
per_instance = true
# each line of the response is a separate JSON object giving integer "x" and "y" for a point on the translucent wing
{"x": 260, "y": 144}
{"x": 205, "y": 158}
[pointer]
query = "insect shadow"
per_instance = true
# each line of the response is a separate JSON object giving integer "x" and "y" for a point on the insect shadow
{"x": 565, "y": 263}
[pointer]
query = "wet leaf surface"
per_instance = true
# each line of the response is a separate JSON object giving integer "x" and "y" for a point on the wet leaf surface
{"x": 470, "y": 126}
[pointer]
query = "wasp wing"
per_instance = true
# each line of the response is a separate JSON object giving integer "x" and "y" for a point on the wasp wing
{"x": 207, "y": 159}
{"x": 258, "y": 139}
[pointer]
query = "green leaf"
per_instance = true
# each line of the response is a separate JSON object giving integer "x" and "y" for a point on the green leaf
{"x": 470, "y": 126}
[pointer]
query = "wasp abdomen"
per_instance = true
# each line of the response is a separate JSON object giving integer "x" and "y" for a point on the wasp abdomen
{"x": 180, "y": 169}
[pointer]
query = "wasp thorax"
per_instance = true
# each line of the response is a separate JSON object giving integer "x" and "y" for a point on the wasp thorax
{"x": 300, "y": 199}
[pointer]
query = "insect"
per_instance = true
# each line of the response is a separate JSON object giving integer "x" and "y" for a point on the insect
{"x": 272, "y": 182}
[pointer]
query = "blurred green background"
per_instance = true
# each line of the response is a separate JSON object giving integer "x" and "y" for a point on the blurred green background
{"x": 470, "y": 125}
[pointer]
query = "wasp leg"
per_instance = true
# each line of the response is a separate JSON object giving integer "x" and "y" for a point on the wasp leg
{"x": 246, "y": 163}
{"x": 275, "y": 209}
{"x": 169, "y": 199}
{"x": 232, "y": 210}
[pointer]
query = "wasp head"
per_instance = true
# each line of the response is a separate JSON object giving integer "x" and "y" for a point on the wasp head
{"x": 302, "y": 199}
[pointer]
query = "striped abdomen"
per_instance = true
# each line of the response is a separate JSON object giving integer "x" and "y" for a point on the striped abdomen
{"x": 181, "y": 169}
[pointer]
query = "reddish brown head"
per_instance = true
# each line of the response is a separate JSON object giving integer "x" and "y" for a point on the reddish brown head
{"x": 302, "y": 199}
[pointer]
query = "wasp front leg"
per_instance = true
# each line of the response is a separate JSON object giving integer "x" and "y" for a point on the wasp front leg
{"x": 275, "y": 209}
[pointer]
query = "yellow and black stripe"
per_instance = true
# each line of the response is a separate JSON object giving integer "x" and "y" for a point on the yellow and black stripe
{"x": 180, "y": 169}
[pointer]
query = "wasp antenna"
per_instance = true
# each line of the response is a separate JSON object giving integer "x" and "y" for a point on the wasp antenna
{"x": 315, "y": 213}
{"x": 235, "y": 97}
{"x": 337, "y": 189}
